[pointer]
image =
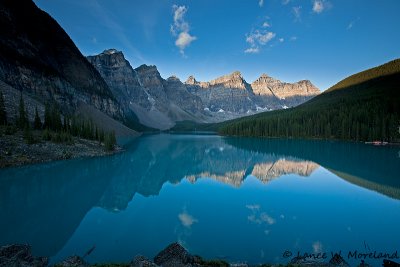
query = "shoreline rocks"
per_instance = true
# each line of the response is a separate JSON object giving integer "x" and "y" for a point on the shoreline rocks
{"x": 20, "y": 256}
{"x": 174, "y": 255}
{"x": 14, "y": 151}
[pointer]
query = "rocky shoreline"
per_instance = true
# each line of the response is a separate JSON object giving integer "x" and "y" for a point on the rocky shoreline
{"x": 14, "y": 151}
{"x": 173, "y": 255}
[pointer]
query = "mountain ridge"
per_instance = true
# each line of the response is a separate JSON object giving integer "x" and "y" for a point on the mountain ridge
{"x": 161, "y": 103}
{"x": 388, "y": 68}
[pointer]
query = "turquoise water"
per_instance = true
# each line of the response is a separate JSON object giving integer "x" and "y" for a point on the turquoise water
{"x": 241, "y": 200}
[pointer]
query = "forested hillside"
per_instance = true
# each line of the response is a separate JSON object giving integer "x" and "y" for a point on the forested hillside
{"x": 367, "y": 107}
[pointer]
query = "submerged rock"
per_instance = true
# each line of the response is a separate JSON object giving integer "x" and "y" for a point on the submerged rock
{"x": 364, "y": 264}
{"x": 305, "y": 261}
{"x": 73, "y": 261}
{"x": 389, "y": 263}
{"x": 338, "y": 260}
{"x": 174, "y": 255}
{"x": 20, "y": 256}
{"x": 142, "y": 261}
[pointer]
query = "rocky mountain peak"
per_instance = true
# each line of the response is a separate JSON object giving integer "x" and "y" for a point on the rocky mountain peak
{"x": 173, "y": 78}
{"x": 191, "y": 80}
{"x": 305, "y": 82}
{"x": 147, "y": 68}
{"x": 237, "y": 75}
{"x": 266, "y": 85}
{"x": 309, "y": 87}
{"x": 111, "y": 51}
{"x": 264, "y": 80}
{"x": 233, "y": 80}
{"x": 110, "y": 58}
{"x": 149, "y": 76}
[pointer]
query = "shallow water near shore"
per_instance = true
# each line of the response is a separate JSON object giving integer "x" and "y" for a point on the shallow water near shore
{"x": 237, "y": 199}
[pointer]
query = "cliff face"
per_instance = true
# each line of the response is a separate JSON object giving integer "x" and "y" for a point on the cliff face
{"x": 291, "y": 94}
{"x": 143, "y": 93}
{"x": 229, "y": 93}
{"x": 178, "y": 94}
{"x": 124, "y": 83}
{"x": 120, "y": 77}
{"x": 39, "y": 58}
{"x": 170, "y": 97}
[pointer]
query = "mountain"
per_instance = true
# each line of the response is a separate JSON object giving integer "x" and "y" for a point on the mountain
{"x": 143, "y": 93}
{"x": 161, "y": 103}
{"x": 289, "y": 94}
{"x": 38, "y": 58}
{"x": 123, "y": 82}
{"x": 231, "y": 93}
{"x": 390, "y": 68}
{"x": 365, "y": 106}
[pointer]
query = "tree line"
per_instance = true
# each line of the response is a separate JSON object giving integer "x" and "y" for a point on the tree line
{"x": 56, "y": 127}
{"x": 367, "y": 112}
{"x": 358, "y": 122}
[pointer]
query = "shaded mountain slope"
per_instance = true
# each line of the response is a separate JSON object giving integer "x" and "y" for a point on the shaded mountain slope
{"x": 367, "y": 109}
{"x": 38, "y": 58}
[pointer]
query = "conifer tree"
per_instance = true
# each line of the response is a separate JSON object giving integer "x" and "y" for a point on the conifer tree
{"x": 47, "y": 116}
{"x": 37, "y": 124}
{"x": 22, "y": 120}
{"x": 3, "y": 114}
{"x": 110, "y": 141}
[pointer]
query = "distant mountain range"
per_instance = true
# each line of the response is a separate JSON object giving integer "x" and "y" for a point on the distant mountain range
{"x": 160, "y": 103}
{"x": 38, "y": 58}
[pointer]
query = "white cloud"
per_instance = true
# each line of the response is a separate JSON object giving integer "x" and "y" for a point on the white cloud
{"x": 296, "y": 10}
{"x": 179, "y": 12}
{"x": 261, "y": 3}
{"x": 252, "y": 50}
{"x": 285, "y": 2}
{"x": 266, "y": 25}
{"x": 281, "y": 40}
{"x": 181, "y": 28}
{"x": 258, "y": 38}
{"x": 184, "y": 39}
{"x": 318, "y": 6}
{"x": 293, "y": 38}
{"x": 186, "y": 219}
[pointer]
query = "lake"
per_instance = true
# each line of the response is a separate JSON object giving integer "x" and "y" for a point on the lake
{"x": 236, "y": 199}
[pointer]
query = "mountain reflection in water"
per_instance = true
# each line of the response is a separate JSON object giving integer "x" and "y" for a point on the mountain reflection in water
{"x": 51, "y": 200}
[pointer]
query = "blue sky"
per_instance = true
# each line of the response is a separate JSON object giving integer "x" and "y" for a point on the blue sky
{"x": 320, "y": 40}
